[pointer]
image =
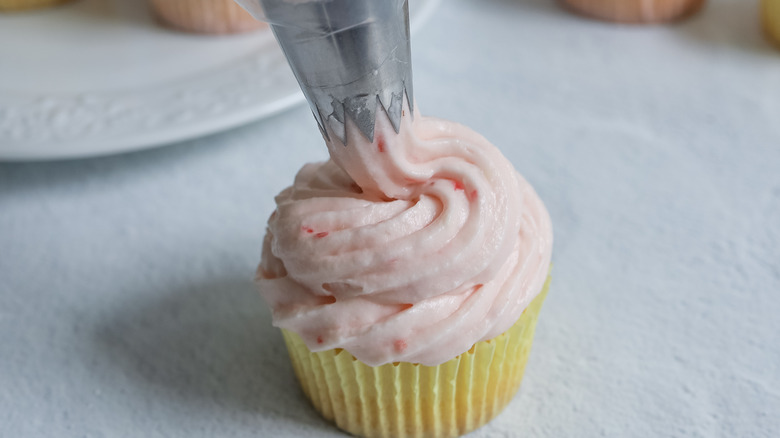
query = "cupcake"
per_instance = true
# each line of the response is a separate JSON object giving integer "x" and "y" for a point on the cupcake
{"x": 403, "y": 399}
{"x": 636, "y": 11}
{"x": 205, "y": 16}
{"x": 407, "y": 274}
{"x": 770, "y": 13}
{"x": 22, "y": 5}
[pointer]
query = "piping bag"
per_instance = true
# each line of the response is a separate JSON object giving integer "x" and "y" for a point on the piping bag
{"x": 351, "y": 58}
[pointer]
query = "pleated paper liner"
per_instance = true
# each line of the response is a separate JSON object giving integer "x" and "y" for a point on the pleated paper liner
{"x": 411, "y": 400}
{"x": 636, "y": 11}
{"x": 205, "y": 16}
{"x": 770, "y": 16}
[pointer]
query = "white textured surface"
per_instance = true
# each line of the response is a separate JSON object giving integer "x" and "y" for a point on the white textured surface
{"x": 127, "y": 309}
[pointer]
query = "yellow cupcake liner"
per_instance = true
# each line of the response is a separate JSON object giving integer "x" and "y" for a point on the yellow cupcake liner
{"x": 770, "y": 15}
{"x": 21, "y": 5}
{"x": 411, "y": 400}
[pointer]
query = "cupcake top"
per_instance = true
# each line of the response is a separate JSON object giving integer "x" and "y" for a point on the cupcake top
{"x": 408, "y": 248}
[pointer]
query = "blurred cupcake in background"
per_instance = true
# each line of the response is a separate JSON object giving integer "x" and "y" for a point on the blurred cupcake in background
{"x": 770, "y": 15}
{"x": 22, "y": 5}
{"x": 636, "y": 11}
{"x": 205, "y": 16}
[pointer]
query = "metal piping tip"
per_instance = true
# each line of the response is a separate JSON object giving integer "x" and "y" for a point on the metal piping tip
{"x": 350, "y": 57}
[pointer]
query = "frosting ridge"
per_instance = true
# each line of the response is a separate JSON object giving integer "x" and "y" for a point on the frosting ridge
{"x": 409, "y": 248}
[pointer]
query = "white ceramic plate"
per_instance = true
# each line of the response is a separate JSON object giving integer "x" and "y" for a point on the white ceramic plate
{"x": 99, "y": 77}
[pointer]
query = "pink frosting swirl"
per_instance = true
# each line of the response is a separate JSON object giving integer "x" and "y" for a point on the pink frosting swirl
{"x": 410, "y": 248}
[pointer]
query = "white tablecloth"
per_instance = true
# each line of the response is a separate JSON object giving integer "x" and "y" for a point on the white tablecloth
{"x": 126, "y": 299}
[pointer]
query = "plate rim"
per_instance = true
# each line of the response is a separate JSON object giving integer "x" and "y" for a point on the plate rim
{"x": 97, "y": 146}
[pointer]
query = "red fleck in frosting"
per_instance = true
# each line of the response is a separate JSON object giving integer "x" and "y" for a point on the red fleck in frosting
{"x": 443, "y": 245}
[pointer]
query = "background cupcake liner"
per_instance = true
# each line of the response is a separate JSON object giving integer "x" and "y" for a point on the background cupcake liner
{"x": 636, "y": 11}
{"x": 410, "y": 400}
{"x": 205, "y": 16}
{"x": 20, "y": 5}
{"x": 770, "y": 15}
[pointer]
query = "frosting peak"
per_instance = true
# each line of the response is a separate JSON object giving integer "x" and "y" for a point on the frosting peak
{"x": 409, "y": 248}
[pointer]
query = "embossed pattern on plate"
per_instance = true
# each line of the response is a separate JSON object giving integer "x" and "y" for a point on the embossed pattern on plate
{"x": 98, "y": 77}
